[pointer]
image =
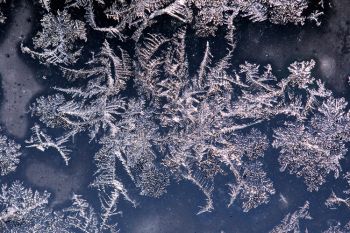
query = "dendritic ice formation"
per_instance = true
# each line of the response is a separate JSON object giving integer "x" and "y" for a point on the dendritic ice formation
{"x": 10, "y": 153}
{"x": 125, "y": 20}
{"x": 338, "y": 228}
{"x": 157, "y": 116}
{"x": 334, "y": 201}
{"x": 206, "y": 16}
{"x": 25, "y": 210}
{"x": 57, "y": 39}
{"x": 204, "y": 129}
{"x": 291, "y": 222}
{"x": 314, "y": 149}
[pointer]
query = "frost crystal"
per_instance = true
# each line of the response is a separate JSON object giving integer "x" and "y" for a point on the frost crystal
{"x": 315, "y": 149}
{"x": 25, "y": 210}
{"x": 9, "y": 155}
{"x": 55, "y": 44}
{"x": 42, "y": 141}
{"x": 291, "y": 222}
{"x": 338, "y": 228}
{"x": 96, "y": 107}
{"x": 212, "y": 14}
{"x": 204, "y": 119}
{"x": 253, "y": 187}
{"x": 110, "y": 189}
{"x": 133, "y": 147}
{"x": 81, "y": 216}
{"x": 334, "y": 201}
{"x": 204, "y": 136}
{"x": 2, "y": 17}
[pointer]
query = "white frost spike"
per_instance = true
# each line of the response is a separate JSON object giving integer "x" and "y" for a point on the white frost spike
{"x": 80, "y": 215}
{"x": 42, "y": 142}
{"x": 206, "y": 188}
{"x": 109, "y": 202}
{"x": 291, "y": 222}
{"x": 90, "y": 18}
{"x": 334, "y": 201}
{"x": 46, "y": 4}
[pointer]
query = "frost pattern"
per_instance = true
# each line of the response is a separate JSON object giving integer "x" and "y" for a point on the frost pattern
{"x": 176, "y": 124}
{"x": 206, "y": 16}
{"x": 81, "y": 216}
{"x": 42, "y": 141}
{"x": 204, "y": 129}
{"x": 204, "y": 120}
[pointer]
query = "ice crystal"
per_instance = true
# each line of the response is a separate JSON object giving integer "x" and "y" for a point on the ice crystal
{"x": 42, "y": 141}
{"x": 253, "y": 186}
{"x": 204, "y": 135}
{"x": 213, "y": 14}
{"x": 334, "y": 201}
{"x": 95, "y": 107}
{"x": 25, "y": 210}
{"x": 45, "y": 4}
{"x": 291, "y": 222}
{"x": 55, "y": 44}
{"x": 114, "y": 68}
{"x": 81, "y": 216}
{"x": 338, "y": 228}
{"x": 313, "y": 150}
{"x": 133, "y": 147}
{"x": 110, "y": 188}
{"x": 2, "y": 16}
{"x": 9, "y": 155}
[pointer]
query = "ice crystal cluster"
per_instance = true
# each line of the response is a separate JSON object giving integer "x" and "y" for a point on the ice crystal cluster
{"x": 334, "y": 201}
{"x": 338, "y": 228}
{"x": 291, "y": 222}
{"x": 56, "y": 41}
{"x": 10, "y": 153}
{"x": 25, "y": 210}
{"x": 158, "y": 117}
